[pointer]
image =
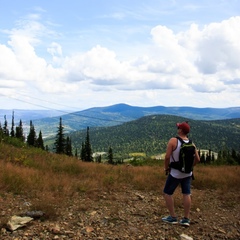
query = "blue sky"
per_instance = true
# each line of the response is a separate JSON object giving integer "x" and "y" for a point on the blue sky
{"x": 74, "y": 55}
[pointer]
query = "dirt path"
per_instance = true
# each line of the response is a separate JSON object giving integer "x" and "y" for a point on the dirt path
{"x": 128, "y": 214}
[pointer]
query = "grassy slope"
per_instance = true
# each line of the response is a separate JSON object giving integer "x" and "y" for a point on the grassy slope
{"x": 36, "y": 172}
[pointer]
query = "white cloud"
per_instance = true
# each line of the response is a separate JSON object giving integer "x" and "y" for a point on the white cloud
{"x": 219, "y": 46}
{"x": 192, "y": 62}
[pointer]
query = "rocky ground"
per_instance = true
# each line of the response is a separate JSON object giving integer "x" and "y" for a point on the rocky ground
{"x": 128, "y": 214}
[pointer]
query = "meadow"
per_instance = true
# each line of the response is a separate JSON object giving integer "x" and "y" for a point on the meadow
{"x": 49, "y": 177}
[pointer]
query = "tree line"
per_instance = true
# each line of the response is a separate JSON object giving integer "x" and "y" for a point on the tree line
{"x": 17, "y": 132}
{"x": 63, "y": 145}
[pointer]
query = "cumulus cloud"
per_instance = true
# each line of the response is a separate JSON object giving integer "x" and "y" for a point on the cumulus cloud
{"x": 197, "y": 60}
{"x": 218, "y": 46}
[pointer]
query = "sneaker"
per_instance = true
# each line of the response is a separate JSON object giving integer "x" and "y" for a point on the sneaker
{"x": 185, "y": 222}
{"x": 170, "y": 219}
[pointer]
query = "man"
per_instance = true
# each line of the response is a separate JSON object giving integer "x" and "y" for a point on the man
{"x": 176, "y": 177}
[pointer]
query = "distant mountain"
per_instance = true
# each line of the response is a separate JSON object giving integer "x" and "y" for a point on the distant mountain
{"x": 26, "y": 115}
{"x": 111, "y": 116}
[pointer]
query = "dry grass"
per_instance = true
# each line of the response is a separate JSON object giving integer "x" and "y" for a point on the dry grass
{"x": 224, "y": 178}
{"x": 50, "y": 178}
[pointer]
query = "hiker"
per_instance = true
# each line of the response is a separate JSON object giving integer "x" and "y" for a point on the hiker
{"x": 176, "y": 176}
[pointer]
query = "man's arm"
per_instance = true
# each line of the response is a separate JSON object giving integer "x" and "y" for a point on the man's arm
{"x": 196, "y": 158}
{"x": 169, "y": 151}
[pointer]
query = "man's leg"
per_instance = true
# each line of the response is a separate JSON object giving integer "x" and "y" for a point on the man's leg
{"x": 170, "y": 204}
{"x": 170, "y": 186}
{"x": 186, "y": 191}
{"x": 186, "y": 205}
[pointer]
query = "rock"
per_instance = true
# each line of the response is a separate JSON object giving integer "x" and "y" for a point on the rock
{"x": 140, "y": 197}
{"x": 185, "y": 237}
{"x": 33, "y": 214}
{"x": 56, "y": 229}
{"x": 89, "y": 229}
{"x": 16, "y": 222}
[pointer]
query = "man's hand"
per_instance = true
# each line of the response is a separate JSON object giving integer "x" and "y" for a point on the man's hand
{"x": 167, "y": 171}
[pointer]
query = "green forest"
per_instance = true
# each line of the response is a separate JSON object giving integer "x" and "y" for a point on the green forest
{"x": 147, "y": 137}
{"x": 150, "y": 135}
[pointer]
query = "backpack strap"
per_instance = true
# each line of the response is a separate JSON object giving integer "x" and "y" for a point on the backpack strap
{"x": 180, "y": 139}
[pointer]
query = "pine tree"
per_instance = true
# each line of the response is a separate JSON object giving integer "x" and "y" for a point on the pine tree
{"x": 12, "y": 128}
{"x": 60, "y": 141}
{"x": 19, "y": 131}
{"x": 68, "y": 149}
{"x": 99, "y": 158}
{"x": 40, "y": 141}
{"x": 110, "y": 155}
{"x": 1, "y": 132}
{"x": 5, "y": 127}
{"x": 31, "y": 138}
{"x": 76, "y": 153}
{"x": 88, "y": 148}
{"x": 83, "y": 152}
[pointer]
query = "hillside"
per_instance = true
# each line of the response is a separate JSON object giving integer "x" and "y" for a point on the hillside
{"x": 121, "y": 113}
{"x": 80, "y": 200}
{"x": 150, "y": 134}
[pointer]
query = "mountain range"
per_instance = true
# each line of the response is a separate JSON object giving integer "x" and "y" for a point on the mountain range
{"x": 48, "y": 120}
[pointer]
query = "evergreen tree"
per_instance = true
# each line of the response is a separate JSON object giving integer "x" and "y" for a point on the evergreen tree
{"x": 12, "y": 128}
{"x": 31, "y": 138}
{"x": 234, "y": 154}
{"x": 1, "y": 132}
{"x": 110, "y": 155}
{"x": 19, "y": 131}
{"x": 5, "y": 127}
{"x": 40, "y": 141}
{"x": 68, "y": 149}
{"x": 88, "y": 148}
{"x": 99, "y": 158}
{"x": 60, "y": 141}
{"x": 83, "y": 152}
{"x": 203, "y": 158}
{"x": 76, "y": 153}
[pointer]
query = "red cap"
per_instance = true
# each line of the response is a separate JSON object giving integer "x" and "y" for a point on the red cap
{"x": 184, "y": 126}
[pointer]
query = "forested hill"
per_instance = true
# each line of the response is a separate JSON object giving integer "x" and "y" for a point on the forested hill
{"x": 120, "y": 113}
{"x": 150, "y": 134}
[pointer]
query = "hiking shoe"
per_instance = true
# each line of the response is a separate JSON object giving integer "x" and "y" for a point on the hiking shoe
{"x": 170, "y": 219}
{"x": 185, "y": 222}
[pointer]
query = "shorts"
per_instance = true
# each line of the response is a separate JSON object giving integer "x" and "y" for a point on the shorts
{"x": 172, "y": 183}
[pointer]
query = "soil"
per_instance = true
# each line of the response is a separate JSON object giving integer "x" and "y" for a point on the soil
{"x": 126, "y": 214}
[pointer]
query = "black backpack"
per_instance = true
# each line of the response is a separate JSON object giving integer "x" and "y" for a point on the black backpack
{"x": 186, "y": 157}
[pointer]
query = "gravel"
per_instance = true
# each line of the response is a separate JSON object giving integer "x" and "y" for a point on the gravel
{"x": 126, "y": 214}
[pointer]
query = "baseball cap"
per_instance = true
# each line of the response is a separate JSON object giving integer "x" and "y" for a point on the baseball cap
{"x": 184, "y": 126}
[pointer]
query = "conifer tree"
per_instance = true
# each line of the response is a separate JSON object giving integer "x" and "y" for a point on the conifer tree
{"x": 47, "y": 148}
{"x": 12, "y": 133}
{"x": 19, "y": 131}
{"x": 83, "y": 152}
{"x": 1, "y": 132}
{"x": 60, "y": 141}
{"x": 40, "y": 141}
{"x": 88, "y": 148}
{"x": 76, "y": 153}
{"x": 68, "y": 149}
{"x": 99, "y": 158}
{"x": 110, "y": 155}
{"x": 31, "y": 138}
{"x": 5, "y": 127}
